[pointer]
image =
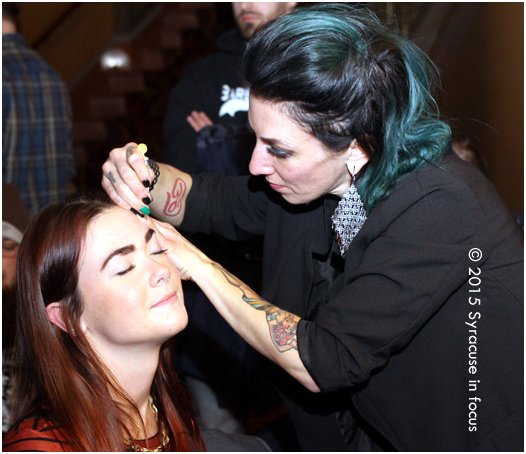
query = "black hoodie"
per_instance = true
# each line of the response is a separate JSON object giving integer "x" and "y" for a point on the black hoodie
{"x": 212, "y": 85}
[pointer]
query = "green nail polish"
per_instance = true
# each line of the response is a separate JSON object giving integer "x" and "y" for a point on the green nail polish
{"x": 145, "y": 210}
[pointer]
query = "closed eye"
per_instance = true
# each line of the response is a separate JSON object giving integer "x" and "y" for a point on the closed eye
{"x": 162, "y": 251}
{"x": 122, "y": 273}
{"x": 278, "y": 152}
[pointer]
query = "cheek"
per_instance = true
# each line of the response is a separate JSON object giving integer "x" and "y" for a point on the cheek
{"x": 301, "y": 175}
{"x": 8, "y": 271}
{"x": 104, "y": 304}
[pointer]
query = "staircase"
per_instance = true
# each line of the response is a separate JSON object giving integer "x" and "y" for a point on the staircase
{"x": 113, "y": 107}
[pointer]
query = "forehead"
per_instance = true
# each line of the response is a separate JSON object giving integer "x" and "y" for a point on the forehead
{"x": 272, "y": 118}
{"x": 117, "y": 220}
{"x": 263, "y": 111}
{"x": 114, "y": 228}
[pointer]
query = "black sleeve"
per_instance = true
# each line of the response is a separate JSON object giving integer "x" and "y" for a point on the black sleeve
{"x": 232, "y": 207}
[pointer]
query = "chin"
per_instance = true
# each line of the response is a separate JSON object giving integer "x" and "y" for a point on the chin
{"x": 182, "y": 321}
{"x": 294, "y": 199}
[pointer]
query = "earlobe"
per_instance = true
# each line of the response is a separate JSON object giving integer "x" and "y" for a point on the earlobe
{"x": 356, "y": 159}
{"x": 55, "y": 315}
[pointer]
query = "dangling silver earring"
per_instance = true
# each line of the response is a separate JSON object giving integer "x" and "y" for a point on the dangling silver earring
{"x": 349, "y": 217}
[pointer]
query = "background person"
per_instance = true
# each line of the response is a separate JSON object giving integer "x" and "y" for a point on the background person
{"x": 15, "y": 219}
{"x": 466, "y": 149}
{"x": 211, "y": 93}
{"x": 37, "y": 154}
{"x": 380, "y": 314}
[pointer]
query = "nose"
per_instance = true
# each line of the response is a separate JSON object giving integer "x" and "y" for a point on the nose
{"x": 160, "y": 275}
{"x": 260, "y": 162}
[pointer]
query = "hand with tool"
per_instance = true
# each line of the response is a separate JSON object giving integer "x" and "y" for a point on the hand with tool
{"x": 129, "y": 178}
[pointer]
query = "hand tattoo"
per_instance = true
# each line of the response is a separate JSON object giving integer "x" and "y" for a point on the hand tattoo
{"x": 112, "y": 178}
{"x": 282, "y": 324}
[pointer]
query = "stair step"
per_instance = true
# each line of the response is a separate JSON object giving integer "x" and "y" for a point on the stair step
{"x": 89, "y": 131}
{"x": 181, "y": 20}
{"x": 195, "y": 6}
{"x": 151, "y": 59}
{"x": 125, "y": 82}
{"x": 170, "y": 38}
{"x": 103, "y": 106}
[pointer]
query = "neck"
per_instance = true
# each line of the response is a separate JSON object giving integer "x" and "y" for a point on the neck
{"x": 134, "y": 370}
{"x": 8, "y": 27}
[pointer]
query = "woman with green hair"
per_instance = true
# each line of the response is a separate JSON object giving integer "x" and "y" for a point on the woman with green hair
{"x": 392, "y": 270}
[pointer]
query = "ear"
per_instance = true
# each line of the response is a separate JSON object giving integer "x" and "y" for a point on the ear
{"x": 356, "y": 158}
{"x": 55, "y": 315}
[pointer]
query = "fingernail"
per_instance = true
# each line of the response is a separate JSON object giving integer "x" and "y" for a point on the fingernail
{"x": 145, "y": 210}
{"x": 146, "y": 183}
{"x": 134, "y": 211}
{"x": 146, "y": 200}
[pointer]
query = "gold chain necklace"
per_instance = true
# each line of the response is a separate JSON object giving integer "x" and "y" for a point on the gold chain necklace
{"x": 164, "y": 440}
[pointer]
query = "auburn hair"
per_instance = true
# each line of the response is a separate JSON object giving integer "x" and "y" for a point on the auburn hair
{"x": 58, "y": 370}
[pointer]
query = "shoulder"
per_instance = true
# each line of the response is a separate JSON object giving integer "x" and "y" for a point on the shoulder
{"x": 18, "y": 57}
{"x": 34, "y": 434}
{"x": 451, "y": 186}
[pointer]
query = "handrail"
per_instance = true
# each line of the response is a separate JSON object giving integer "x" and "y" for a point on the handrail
{"x": 52, "y": 26}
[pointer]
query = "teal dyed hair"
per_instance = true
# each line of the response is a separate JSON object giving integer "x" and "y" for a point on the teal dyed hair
{"x": 342, "y": 75}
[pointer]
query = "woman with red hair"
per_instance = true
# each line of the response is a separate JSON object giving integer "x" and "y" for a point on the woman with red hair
{"x": 99, "y": 301}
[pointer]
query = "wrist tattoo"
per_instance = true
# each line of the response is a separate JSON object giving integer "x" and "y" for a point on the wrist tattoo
{"x": 174, "y": 200}
{"x": 282, "y": 324}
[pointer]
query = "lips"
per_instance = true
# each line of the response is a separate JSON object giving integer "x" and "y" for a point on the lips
{"x": 276, "y": 187}
{"x": 248, "y": 17}
{"x": 168, "y": 299}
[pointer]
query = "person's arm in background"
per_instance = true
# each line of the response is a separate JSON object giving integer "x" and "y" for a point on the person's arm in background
{"x": 125, "y": 177}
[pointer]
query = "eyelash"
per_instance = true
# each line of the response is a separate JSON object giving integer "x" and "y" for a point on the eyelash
{"x": 122, "y": 273}
{"x": 278, "y": 153}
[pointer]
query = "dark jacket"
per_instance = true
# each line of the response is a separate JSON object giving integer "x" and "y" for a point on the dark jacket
{"x": 212, "y": 85}
{"x": 388, "y": 326}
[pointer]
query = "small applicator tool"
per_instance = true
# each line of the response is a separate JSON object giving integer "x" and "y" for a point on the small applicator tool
{"x": 143, "y": 149}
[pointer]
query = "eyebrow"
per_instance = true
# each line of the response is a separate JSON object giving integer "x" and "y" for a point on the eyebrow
{"x": 125, "y": 250}
{"x": 276, "y": 143}
{"x": 270, "y": 141}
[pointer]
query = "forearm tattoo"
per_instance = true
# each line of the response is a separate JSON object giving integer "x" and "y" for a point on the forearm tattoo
{"x": 174, "y": 200}
{"x": 282, "y": 324}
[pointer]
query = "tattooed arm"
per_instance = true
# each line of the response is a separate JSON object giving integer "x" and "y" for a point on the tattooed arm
{"x": 126, "y": 176}
{"x": 269, "y": 329}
